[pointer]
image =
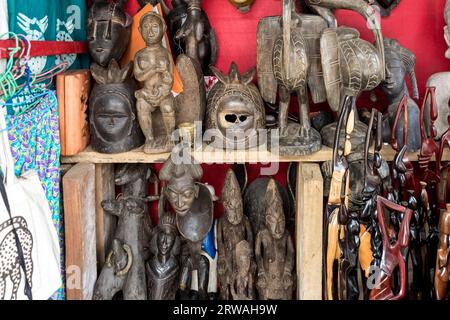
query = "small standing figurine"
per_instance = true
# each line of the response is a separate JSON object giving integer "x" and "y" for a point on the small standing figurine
{"x": 242, "y": 280}
{"x": 274, "y": 251}
{"x": 233, "y": 227}
{"x": 442, "y": 272}
{"x": 154, "y": 67}
{"x": 196, "y": 35}
{"x": 163, "y": 267}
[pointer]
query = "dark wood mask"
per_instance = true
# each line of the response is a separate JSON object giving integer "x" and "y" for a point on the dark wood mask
{"x": 108, "y": 27}
{"x": 112, "y": 110}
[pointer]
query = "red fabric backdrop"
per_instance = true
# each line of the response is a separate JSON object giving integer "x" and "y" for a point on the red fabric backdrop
{"x": 416, "y": 24}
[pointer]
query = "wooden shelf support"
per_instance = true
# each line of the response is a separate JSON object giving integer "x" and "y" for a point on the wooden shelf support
{"x": 309, "y": 231}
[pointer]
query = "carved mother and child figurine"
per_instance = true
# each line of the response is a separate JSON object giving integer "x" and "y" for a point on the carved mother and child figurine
{"x": 265, "y": 263}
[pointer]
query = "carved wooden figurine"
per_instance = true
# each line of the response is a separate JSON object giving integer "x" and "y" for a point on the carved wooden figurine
{"x": 193, "y": 205}
{"x": 195, "y": 35}
{"x": 283, "y": 63}
{"x": 125, "y": 268}
{"x": 233, "y": 227}
{"x": 274, "y": 251}
{"x": 441, "y": 81}
{"x": 112, "y": 110}
{"x": 163, "y": 267}
{"x": 235, "y": 110}
{"x": 108, "y": 28}
{"x": 255, "y": 206}
{"x": 154, "y": 67}
{"x": 399, "y": 63}
{"x": 350, "y": 64}
{"x": 392, "y": 253}
{"x": 442, "y": 273}
{"x": 242, "y": 280}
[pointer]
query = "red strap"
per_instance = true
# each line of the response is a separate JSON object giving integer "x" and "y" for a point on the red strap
{"x": 46, "y": 48}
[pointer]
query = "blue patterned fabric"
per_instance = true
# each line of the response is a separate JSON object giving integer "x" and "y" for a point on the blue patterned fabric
{"x": 35, "y": 145}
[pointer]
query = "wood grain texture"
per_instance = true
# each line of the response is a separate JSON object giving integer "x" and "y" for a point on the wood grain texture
{"x": 104, "y": 223}
{"x": 309, "y": 231}
{"x": 79, "y": 216}
{"x": 72, "y": 89}
{"x": 220, "y": 156}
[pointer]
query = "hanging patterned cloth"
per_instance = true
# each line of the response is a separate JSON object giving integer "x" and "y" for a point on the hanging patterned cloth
{"x": 61, "y": 20}
{"x": 35, "y": 144}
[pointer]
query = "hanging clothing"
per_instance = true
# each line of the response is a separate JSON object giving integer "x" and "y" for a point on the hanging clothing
{"x": 3, "y": 29}
{"x": 61, "y": 20}
{"x": 35, "y": 144}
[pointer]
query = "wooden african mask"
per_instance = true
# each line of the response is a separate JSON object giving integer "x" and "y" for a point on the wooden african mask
{"x": 108, "y": 27}
{"x": 235, "y": 110}
{"x": 112, "y": 110}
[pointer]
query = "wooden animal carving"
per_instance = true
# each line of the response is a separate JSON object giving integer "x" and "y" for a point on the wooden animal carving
{"x": 124, "y": 269}
{"x": 284, "y": 58}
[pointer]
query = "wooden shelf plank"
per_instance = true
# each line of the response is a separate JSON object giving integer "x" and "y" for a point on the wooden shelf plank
{"x": 211, "y": 156}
